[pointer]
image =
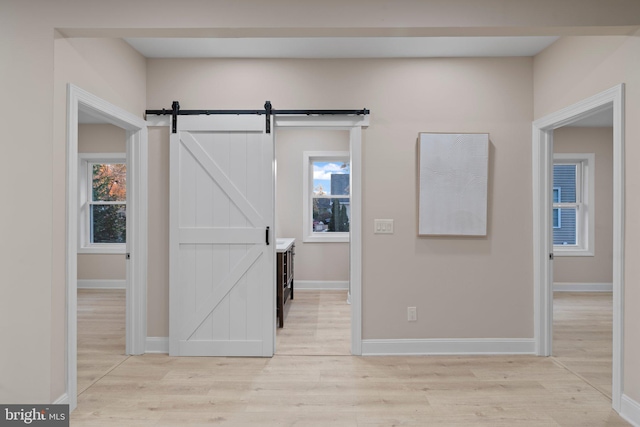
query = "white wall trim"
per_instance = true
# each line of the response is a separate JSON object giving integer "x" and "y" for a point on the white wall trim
{"x": 101, "y": 284}
{"x": 630, "y": 410}
{"x": 62, "y": 400}
{"x": 136, "y": 299}
{"x": 355, "y": 246}
{"x": 582, "y": 287}
{"x": 137, "y": 236}
{"x": 157, "y": 345}
{"x": 154, "y": 120}
{"x": 321, "y": 285}
{"x": 104, "y": 249}
{"x": 337, "y": 122}
{"x": 454, "y": 346}
{"x": 542, "y": 159}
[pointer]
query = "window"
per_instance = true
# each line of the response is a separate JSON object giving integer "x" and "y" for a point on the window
{"x": 326, "y": 196}
{"x": 573, "y": 229}
{"x": 103, "y": 203}
{"x": 557, "y": 221}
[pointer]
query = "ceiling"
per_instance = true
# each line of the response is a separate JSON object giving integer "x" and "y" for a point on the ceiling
{"x": 340, "y": 47}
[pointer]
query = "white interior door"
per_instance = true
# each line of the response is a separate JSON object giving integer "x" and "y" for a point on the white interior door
{"x": 222, "y": 284}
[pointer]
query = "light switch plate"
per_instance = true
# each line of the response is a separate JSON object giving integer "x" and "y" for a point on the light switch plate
{"x": 383, "y": 226}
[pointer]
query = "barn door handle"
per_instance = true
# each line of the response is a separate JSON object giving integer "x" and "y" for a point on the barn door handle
{"x": 266, "y": 235}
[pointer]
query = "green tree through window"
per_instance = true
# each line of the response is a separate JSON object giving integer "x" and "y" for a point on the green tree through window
{"x": 108, "y": 212}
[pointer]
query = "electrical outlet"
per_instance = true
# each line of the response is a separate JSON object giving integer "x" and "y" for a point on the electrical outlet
{"x": 412, "y": 314}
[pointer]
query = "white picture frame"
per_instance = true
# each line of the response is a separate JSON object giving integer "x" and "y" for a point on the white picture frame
{"x": 453, "y": 171}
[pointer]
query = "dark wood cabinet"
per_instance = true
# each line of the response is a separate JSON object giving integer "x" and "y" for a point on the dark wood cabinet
{"x": 285, "y": 252}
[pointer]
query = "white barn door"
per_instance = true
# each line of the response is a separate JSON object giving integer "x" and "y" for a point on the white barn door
{"x": 222, "y": 279}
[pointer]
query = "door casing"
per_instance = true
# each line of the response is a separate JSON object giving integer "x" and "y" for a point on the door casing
{"x": 543, "y": 223}
{"x": 354, "y": 125}
{"x": 136, "y": 288}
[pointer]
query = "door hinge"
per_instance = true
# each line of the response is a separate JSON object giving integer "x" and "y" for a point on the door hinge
{"x": 128, "y": 256}
{"x": 551, "y": 256}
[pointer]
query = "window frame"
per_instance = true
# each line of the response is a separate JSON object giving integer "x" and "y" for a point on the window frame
{"x": 584, "y": 205}
{"x": 559, "y": 190}
{"x": 85, "y": 185}
{"x": 308, "y": 235}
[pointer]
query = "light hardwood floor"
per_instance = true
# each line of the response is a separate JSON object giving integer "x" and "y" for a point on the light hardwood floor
{"x": 583, "y": 335}
{"x": 101, "y": 333}
{"x": 316, "y": 323}
{"x": 304, "y": 390}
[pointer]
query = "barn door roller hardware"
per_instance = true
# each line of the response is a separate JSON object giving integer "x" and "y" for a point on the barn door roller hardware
{"x": 268, "y": 111}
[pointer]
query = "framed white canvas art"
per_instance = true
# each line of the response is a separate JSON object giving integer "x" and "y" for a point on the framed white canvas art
{"x": 453, "y": 175}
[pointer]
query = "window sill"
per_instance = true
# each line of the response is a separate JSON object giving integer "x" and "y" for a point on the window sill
{"x": 118, "y": 249}
{"x": 326, "y": 238}
{"x": 560, "y": 252}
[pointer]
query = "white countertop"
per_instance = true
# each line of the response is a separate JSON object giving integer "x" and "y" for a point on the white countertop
{"x": 284, "y": 243}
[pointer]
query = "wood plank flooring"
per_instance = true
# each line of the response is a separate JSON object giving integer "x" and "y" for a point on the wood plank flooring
{"x": 583, "y": 335}
{"x": 316, "y": 323}
{"x": 334, "y": 390}
{"x": 101, "y": 333}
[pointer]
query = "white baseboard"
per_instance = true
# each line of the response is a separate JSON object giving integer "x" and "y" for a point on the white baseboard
{"x": 62, "y": 400}
{"x": 582, "y": 287}
{"x": 102, "y": 284}
{"x": 157, "y": 345}
{"x": 630, "y": 410}
{"x": 462, "y": 346}
{"x": 320, "y": 285}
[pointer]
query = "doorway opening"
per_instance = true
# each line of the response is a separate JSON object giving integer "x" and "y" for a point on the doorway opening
{"x": 543, "y": 132}
{"x": 583, "y": 262}
{"x": 313, "y": 208}
{"x": 351, "y": 121}
{"x": 353, "y": 126}
{"x": 90, "y": 107}
{"x": 101, "y": 261}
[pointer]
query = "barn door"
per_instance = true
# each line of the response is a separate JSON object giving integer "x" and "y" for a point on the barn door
{"x": 222, "y": 279}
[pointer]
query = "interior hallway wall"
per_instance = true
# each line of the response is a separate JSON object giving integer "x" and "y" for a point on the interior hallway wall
{"x": 459, "y": 285}
{"x": 575, "y": 68}
{"x": 158, "y": 226}
{"x": 115, "y": 72}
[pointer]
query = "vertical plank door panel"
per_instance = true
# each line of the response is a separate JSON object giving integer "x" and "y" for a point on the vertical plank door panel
{"x": 222, "y": 294}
